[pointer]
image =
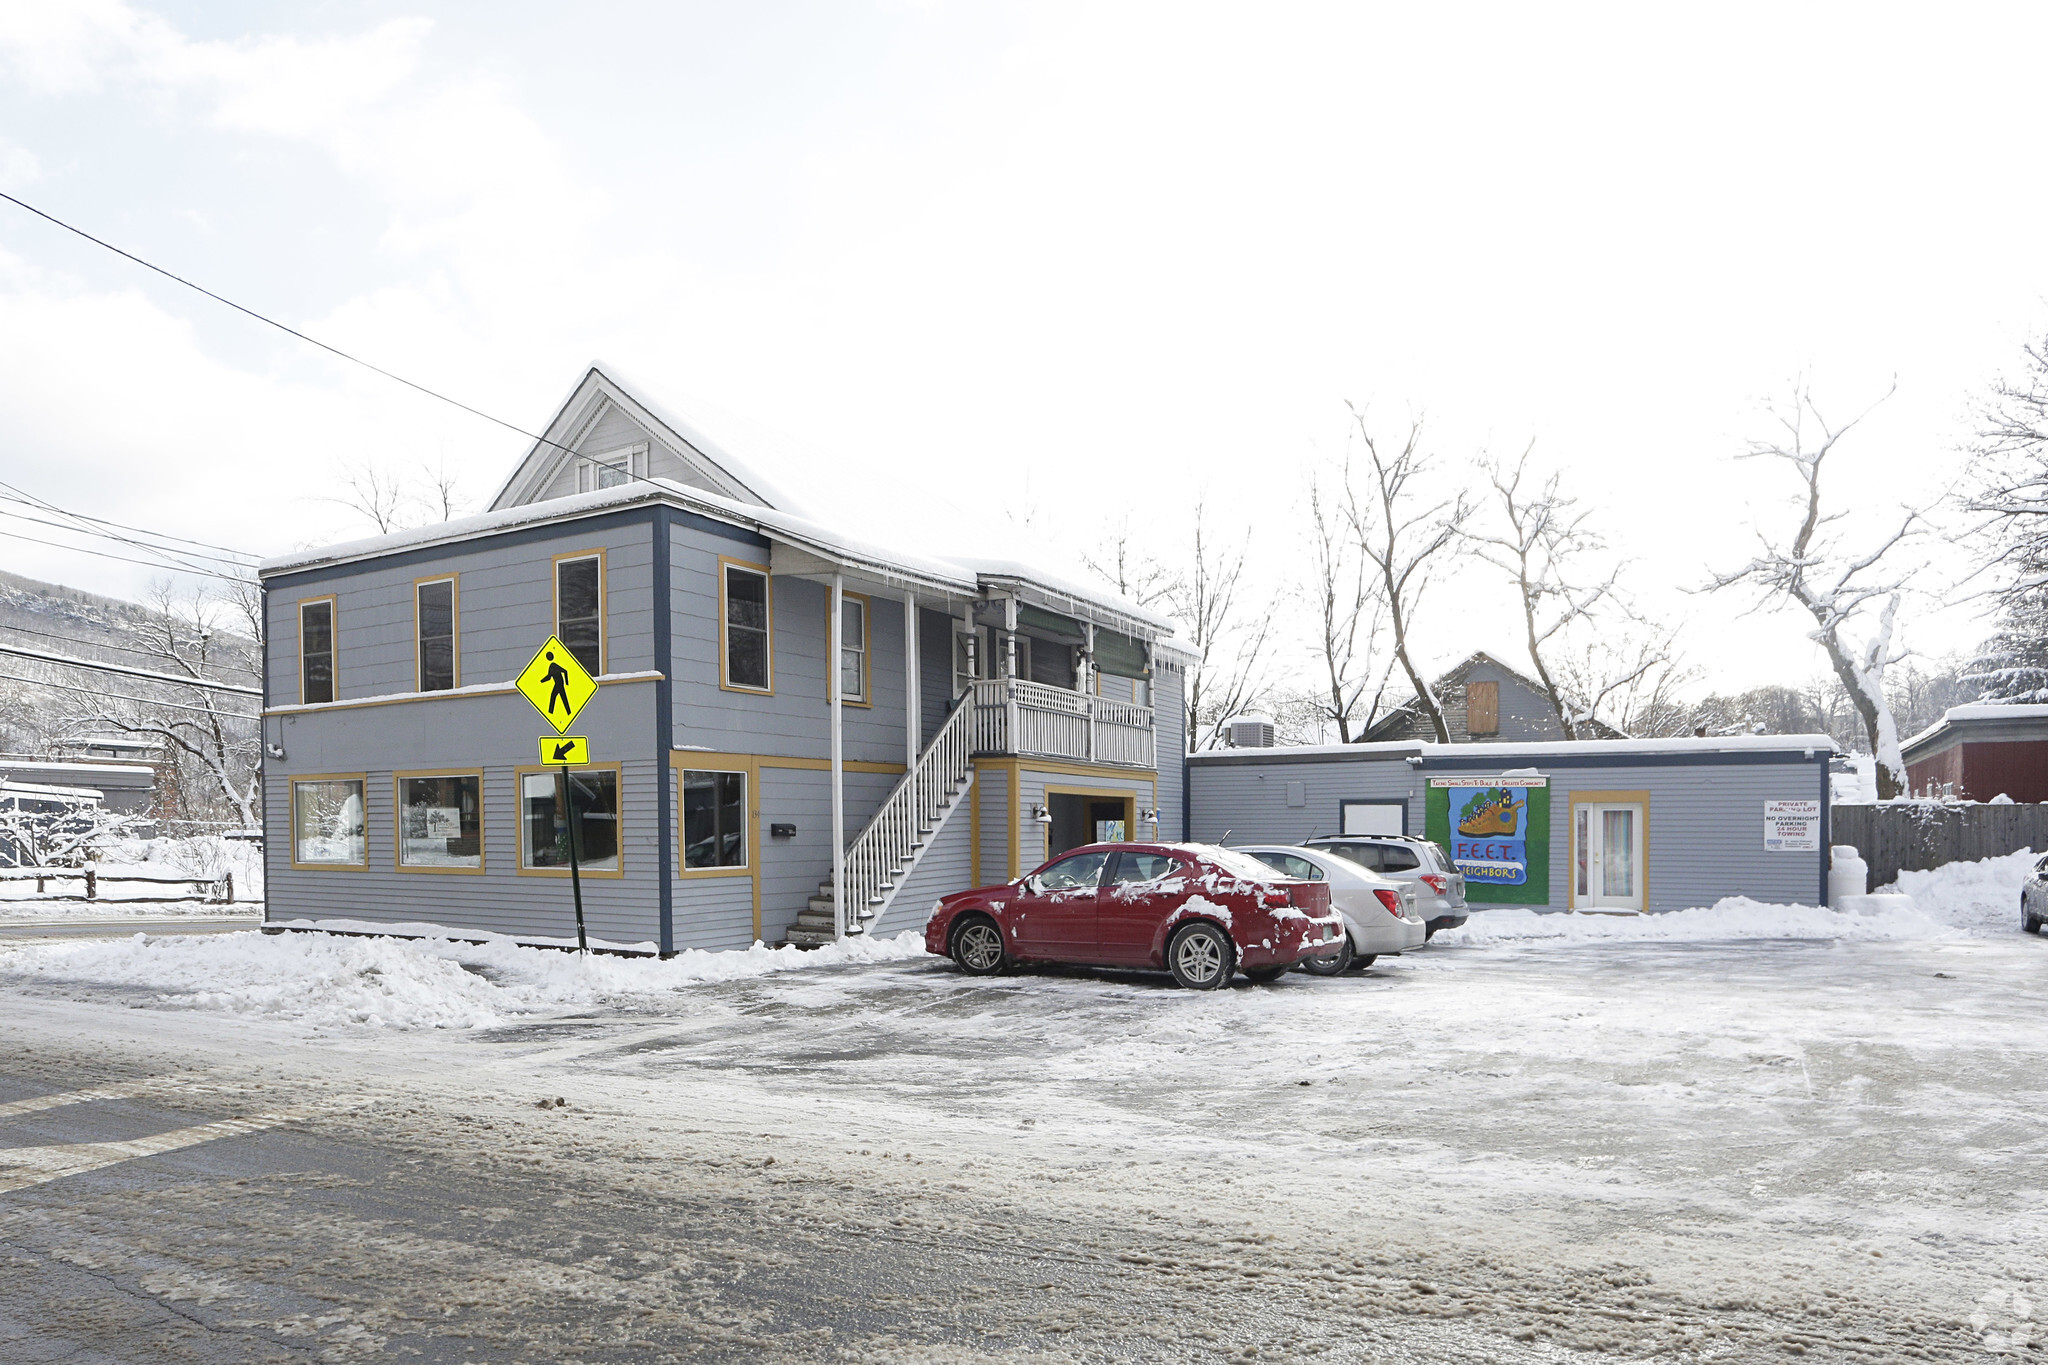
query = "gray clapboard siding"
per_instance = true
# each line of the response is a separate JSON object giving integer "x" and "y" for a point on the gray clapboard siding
{"x": 1169, "y": 720}
{"x": 935, "y": 669}
{"x": 947, "y": 866}
{"x": 500, "y": 900}
{"x": 792, "y": 869}
{"x": 505, "y": 601}
{"x": 1031, "y": 786}
{"x": 616, "y": 431}
{"x": 795, "y": 721}
{"x": 714, "y": 913}
{"x": 992, "y": 800}
{"x": 1705, "y": 821}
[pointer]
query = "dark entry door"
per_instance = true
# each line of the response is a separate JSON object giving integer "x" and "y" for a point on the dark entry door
{"x": 1079, "y": 819}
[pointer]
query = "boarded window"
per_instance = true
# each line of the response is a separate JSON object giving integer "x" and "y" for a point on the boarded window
{"x": 316, "y": 650}
{"x": 434, "y": 612}
{"x": 747, "y": 658}
{"x": 1482, "y": 708}
{"x": 714, "y": 820}
{"x": 579, "y": 609}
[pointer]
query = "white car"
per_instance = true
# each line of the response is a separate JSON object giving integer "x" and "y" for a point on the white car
{"x": 1379, "y": 912}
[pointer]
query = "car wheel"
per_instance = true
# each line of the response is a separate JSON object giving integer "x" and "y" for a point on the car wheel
{"x": 1329, "y": 964}
{"x": 1266, "y": 975}
{"x": 2027, "y": 922}
{"x": 978, "y": 946}
{"x": 1361, "y": 962}
{"x": 1201, "y": 957}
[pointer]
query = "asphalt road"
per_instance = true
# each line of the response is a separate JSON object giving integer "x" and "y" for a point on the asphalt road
{"x": 55, "y": 928}
{"x": 1686, "y": 1153}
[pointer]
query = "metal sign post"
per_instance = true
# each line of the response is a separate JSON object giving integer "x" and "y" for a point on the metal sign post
{"x": 558, "y": 685}
{"x": 575, "y": 862}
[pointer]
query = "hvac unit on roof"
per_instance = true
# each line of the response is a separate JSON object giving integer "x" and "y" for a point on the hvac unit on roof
{"x": 1252, "y": 730}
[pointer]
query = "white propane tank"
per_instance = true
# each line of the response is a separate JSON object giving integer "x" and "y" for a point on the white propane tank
{"x": 1848, "y": 875}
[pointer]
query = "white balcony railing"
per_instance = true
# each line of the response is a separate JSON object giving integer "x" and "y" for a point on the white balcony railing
{"x": 1012, "y": 716}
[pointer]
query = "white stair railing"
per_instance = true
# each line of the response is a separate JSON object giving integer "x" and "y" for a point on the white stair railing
{"x": 882, "y": 851}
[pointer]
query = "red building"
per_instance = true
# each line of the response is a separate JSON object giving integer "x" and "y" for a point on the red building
{"x": 1974, "y": 753}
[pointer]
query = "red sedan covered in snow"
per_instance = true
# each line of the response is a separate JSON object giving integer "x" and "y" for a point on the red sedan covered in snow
{"x": 1200, "y": 912}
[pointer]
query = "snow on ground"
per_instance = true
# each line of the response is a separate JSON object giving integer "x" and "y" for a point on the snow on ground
{"x": 327, "y": 981}
{"x": 205, "y": 856}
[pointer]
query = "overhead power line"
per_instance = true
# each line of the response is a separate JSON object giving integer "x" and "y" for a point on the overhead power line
{"x": 126, "y": 671}
{"x": 417, "y": 387}
{"x": 175, "y": 559}
{"x": 125, "y": 559}
{"x": 123, "y": 696}
{"x": 24, "y": 496}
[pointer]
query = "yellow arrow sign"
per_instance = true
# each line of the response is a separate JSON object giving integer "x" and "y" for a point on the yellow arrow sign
{"x": 570, "y": 749}
{"x": 556, "y": 684}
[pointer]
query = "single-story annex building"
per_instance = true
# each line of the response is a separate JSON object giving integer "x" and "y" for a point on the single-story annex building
{"x": 794, "y": 733}
{"x": 1624, "y": 824}
{"x": 1978, "y": 753}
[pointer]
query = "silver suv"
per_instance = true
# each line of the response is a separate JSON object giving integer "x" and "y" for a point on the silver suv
{"x": 1438, "y": 885}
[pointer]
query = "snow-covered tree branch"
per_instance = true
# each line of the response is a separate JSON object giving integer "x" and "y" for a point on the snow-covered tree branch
{"x": 1854, "y": 605}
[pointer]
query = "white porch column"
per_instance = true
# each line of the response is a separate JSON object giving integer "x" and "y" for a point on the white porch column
{"x": 1087, "y": 681}
{"x": 913, "y": 727}
{"x": 1012, "y": 737}
{"x": 842, "y": 913}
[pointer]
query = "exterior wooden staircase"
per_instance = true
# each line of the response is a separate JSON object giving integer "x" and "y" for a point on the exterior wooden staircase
{"x": 881, "y": 857}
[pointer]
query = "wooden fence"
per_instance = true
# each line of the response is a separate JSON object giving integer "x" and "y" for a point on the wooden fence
{"x": 1916, "y": 836}
{"x": 212, "y": 890}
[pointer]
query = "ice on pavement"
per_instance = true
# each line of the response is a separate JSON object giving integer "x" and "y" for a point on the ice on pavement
{"x": 327, "y": 981}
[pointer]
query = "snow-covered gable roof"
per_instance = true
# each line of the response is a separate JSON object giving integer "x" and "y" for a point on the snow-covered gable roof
{"x": 602, "y": 387}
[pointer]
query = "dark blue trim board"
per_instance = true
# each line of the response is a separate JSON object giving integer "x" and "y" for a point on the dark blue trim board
{"x": 1827, "y": 853}
{"x": 664, "y": 729}
{"x": 1510, "y": 757}
{"x": 522, "y": 535}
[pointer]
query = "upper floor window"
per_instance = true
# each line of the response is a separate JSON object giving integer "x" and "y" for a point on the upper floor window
{"x": 744, "y": 628}
{"x": 1482, "y": 708}
{"x": 316, "y": 650}
{"x": 853, "y": 648}
{"x": 579, "y": 607}
{"x": 433, "y": 610}
{"x": 611, "y": 469}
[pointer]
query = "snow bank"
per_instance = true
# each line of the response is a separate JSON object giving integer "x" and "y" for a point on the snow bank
{"x": 1736, "y": 917}
{"x": 1981, "y": 898}
{"x": 326, "y": 981}
{"x": 1976, "y": 900}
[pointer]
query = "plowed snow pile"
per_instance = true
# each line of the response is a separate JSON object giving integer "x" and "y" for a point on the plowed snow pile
{"x": 1962, "y": 900}
{"x": 327, "y": 981}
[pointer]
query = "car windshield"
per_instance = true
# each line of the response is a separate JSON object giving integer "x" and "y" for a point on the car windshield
{"x": 1240, "y": 865}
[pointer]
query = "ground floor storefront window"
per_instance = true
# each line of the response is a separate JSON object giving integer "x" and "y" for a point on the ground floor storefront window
{"x": 544, "y": 806}
{"x": 440, "y": 822}
{"x": 714, "y": 820}
{"x": 328, "y": 825}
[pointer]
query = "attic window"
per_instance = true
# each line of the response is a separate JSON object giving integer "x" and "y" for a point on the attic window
{"x": 1482, "y": 708}
{"x": 611, "y": 469}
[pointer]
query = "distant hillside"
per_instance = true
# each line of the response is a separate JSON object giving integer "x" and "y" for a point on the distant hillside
{"x": 34, "y": 615}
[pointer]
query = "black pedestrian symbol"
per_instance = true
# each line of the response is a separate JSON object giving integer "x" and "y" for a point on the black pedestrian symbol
{"x": 559, "y": 677}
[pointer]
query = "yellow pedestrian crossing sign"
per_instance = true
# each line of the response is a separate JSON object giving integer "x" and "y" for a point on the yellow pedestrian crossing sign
{"x": 556, "y": 684}
{"x": 573, "y": 750}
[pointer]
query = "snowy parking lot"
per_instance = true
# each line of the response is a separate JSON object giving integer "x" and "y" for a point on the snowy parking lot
{"x": 1730, "y": 1134}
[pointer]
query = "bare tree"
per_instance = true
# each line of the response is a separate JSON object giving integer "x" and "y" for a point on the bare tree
{"x": 1227, "y": 639}
{"x": 1137, "y": 576}
{"x": 1838, "y": 589}
{"x": 49, "y": 831}
{"x": 1544, "y": 539}
{"x": 215, "y": 731}
{"x": 392, "y": 499}
{"x": 1352, "y": 606}
{"x": 2009, "y": 476}
{"x": 1401, "y": 532}
{"x": 1627, "y": 677}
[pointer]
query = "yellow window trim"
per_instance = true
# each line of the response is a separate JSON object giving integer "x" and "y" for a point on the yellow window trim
{"x": 292, "y": 816}
{"x": 333, "y": 645}
{"x": 454, "y": 582}
{"x": 866, "y": 699}
{"x": 751, "y": 807}
{"x": 519, "y": 776}
{"x": 604, "y": 622}
{"x": 398, "y": 862}
{"x": 725, "y": 682}
{"x": 1571, "y": 838}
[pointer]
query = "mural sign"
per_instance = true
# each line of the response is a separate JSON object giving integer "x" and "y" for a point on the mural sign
{"x": 1497, "y": 831}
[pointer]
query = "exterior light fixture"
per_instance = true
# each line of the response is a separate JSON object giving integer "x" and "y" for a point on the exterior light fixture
{"x": 1041, "y": 815}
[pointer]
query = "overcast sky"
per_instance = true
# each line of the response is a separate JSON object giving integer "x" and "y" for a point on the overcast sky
{"x": 980, "y": 259}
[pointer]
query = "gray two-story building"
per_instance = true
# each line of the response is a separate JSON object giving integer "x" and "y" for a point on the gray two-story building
{"x": 795, "y": 733}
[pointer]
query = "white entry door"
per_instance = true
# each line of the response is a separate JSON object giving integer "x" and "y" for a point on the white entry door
{"x": 1608, "y": 856}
